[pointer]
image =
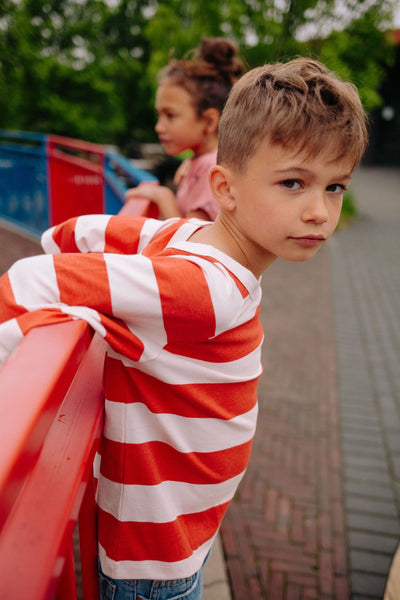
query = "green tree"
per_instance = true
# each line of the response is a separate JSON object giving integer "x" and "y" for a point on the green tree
{"x": 267, "y": 31}
{"x": 362, "y": 53}
{"x": 74, "y": 68}
{"x": 87, "y": 68}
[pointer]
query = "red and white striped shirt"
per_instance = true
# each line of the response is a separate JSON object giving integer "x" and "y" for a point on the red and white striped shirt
{"x": 183, "y": 359}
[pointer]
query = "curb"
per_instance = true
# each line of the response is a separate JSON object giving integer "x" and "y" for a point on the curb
{"x": 216, "y": 584}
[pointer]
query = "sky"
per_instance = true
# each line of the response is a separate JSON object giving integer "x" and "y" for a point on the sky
{"x": 397, "y": 16}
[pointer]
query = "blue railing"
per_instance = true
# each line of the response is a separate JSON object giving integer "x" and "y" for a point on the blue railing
{"x": 120, "y": 175}
{"x": 46, "y": 178}
{"x": 24, "y": 180}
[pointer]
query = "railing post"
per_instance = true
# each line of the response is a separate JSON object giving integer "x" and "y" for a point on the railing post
{"x": 66, "y": 587}
{"x": 88, "y": 542}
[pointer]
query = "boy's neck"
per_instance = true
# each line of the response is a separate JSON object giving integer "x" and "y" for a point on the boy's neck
{"x": 223, "y": 237}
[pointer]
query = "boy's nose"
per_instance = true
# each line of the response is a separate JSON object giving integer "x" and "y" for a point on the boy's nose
{"x": 316, "y": 209}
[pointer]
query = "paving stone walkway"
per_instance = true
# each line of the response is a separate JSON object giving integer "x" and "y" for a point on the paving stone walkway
{"x": 14, "y": 246}
{"x": 366, "y": 283}
{"x": 318, "y": 512}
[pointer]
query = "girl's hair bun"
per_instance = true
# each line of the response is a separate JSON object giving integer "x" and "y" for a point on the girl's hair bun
{"x": 222, "y": 54}
{"x": 208, "y": 74}
{"x": 217, "y": 50}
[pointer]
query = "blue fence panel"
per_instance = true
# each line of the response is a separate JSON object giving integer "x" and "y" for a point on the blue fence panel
{"x": 120, "y": 175}
{"x": 23, "y": 180}
{"x": 25, "y": 191}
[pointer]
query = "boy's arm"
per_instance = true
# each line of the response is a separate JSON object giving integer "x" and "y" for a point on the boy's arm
{"x": 116, "y": 294}
{"x": 100, "y": 233}
{"x": 17, "y": 319}
{"x": 139, "y": 305}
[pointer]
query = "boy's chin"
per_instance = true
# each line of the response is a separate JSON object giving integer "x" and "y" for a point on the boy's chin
{"x": 301, "y": 258}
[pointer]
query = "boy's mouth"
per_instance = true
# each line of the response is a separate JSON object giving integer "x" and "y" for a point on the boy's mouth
{"x": 308, "y": 241}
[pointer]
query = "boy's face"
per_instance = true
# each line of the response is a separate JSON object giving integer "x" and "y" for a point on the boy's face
{"x": 285, "y": 204}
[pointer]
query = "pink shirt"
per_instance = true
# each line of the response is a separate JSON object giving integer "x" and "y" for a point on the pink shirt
{"x": 194, "y": 192}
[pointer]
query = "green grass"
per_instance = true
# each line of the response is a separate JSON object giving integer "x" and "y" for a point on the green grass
{"x": 349, "y": 210}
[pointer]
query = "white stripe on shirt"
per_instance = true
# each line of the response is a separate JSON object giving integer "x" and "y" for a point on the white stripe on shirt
{"x": 176, "y": 369}
{"x": 91, "y": 238}
{"x": 132, "y": 283}
{"x": 41, "y": 288}
{"x": 162, "y": 503}
{"x": 11, "y": 335}
{"x": 185, "y": 434}
{"x": 145, "y": 569}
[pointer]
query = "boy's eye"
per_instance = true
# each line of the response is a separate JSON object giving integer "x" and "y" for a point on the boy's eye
{"x": 291, "y": 184}
{"x": 336, "y": 188}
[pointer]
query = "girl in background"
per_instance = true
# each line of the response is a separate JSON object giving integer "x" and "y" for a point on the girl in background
{"x": 189, "y": 101}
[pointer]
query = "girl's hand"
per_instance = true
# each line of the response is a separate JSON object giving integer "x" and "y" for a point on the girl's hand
{"x": 143, "y": 190}
{"x": 182, "y": 171}
{"x": 159, "y": 194}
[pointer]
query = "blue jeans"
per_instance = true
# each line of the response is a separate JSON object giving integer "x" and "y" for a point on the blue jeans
{"x": 189, "y": 588}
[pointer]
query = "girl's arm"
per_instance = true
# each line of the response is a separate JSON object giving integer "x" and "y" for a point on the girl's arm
{"x": 160, "y": 195}
{"x": 165, "y": 200}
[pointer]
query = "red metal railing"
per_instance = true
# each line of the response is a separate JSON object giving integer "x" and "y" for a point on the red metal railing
{"x": 75, "y": 178}
{"x": 51, "y": 412}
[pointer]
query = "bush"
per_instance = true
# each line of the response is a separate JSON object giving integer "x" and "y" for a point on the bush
{"x": 349, "y": 209}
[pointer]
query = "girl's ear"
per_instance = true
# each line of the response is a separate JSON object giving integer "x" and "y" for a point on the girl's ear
{"x": 220, "y": 184}
{"x": 211, "y": 117}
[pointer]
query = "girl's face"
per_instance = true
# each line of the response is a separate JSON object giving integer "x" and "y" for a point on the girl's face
{"x": 178, "y": 126}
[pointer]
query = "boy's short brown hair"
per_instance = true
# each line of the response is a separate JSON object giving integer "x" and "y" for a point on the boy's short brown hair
{"x": 299, "y": 104}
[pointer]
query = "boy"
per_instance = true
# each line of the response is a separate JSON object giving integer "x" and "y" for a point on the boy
{"x": 178, "y": 301}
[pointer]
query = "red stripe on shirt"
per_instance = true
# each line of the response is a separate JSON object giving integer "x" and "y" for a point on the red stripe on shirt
{"x": 174, "y": 252}
{"x": 64, "y": 235}
{"x": 122, "y": 339}
{"x": 122, "y": 234}
{"x": 162, "y": 238}
{"x": 8, "y": 308}
{"x": 169, "y": 542}
{"x": 47, "y": 316}
{"x": 197, "y": 400}
{"x": 184, "y": 312}
{"x": 154, "y": 462}
{"x": 229, "y": 345}
{"x": 83, "y": 277}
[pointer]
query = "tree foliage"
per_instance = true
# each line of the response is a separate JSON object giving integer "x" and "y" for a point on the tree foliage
{"x": 87, "y": 68}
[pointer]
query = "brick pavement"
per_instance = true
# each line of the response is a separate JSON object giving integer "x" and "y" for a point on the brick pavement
{"x": 317, "y": 514}
{"x": 13, "y": 247}
{"x": 366, "y": 278}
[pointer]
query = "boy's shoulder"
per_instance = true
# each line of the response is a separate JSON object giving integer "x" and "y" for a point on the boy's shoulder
{"x": 194, "y": 264}
{"x": 183, "y": 264}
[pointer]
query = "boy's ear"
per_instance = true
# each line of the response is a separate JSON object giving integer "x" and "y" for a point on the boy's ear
{"x": 211, "y": 116}
{"x": 220, "y": 184}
